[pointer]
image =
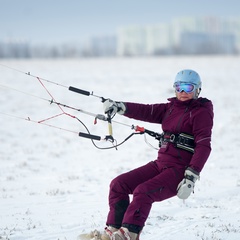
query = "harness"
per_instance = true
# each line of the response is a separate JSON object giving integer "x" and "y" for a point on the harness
{"x": 181, "y": 140}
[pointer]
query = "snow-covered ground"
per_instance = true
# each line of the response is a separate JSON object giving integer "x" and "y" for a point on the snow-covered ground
{"x": 54, "y": 184}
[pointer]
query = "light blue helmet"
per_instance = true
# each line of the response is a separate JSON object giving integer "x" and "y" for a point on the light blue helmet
{"x": 189, "y": 76}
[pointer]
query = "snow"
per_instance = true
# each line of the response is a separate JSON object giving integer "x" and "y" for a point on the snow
{"x": 54, "y": 184}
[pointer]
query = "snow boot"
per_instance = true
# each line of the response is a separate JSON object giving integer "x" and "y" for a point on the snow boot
{"x": 124, "y": 234}
{"x": 108, "y": 233}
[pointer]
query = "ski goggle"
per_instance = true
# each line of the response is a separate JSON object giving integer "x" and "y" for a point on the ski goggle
{"x": 186, "y": 87}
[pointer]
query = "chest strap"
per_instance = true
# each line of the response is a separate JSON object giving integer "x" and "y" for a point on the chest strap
{"x": 181, "y": 140}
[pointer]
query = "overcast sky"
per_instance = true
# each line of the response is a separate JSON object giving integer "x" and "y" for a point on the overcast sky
{"x": 57, "y": 21}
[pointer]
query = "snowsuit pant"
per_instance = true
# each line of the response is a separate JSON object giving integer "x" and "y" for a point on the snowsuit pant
{"x": 148, "y": 184}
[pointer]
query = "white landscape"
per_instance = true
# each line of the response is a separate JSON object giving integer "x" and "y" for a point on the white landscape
{"x": 54, "y": 184}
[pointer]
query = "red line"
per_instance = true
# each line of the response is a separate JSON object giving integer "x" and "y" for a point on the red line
{"x": 63, "y": 112}
{"x": 49, "y": 93}
{"x": 51, "y": 117}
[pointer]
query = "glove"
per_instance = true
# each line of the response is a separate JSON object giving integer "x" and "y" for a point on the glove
{"x": 111, "y": 107}
{"x": 186, "y": 186}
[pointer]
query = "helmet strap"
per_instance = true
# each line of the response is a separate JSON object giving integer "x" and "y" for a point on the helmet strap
{"x": 197, "y": 92}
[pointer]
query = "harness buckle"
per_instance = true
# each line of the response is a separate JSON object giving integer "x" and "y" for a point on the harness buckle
{"x": 172, "y": 138}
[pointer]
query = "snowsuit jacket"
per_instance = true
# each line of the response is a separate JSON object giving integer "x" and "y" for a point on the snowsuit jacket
{"x": 194, "y": 117}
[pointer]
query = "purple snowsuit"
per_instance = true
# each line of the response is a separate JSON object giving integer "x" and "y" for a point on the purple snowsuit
{"x": 158, "y": 180}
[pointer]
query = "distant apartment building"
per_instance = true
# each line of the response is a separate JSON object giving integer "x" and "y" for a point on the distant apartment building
{"x": 143, "y": 40}
{"x": 207, "y": 35}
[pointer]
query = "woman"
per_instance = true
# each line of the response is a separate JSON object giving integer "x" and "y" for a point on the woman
{"x": 187, "y": 122}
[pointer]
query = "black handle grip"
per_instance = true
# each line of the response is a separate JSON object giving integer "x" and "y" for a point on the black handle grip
{"x": 77, "y": 90}
{"x": 86, "y": 135}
